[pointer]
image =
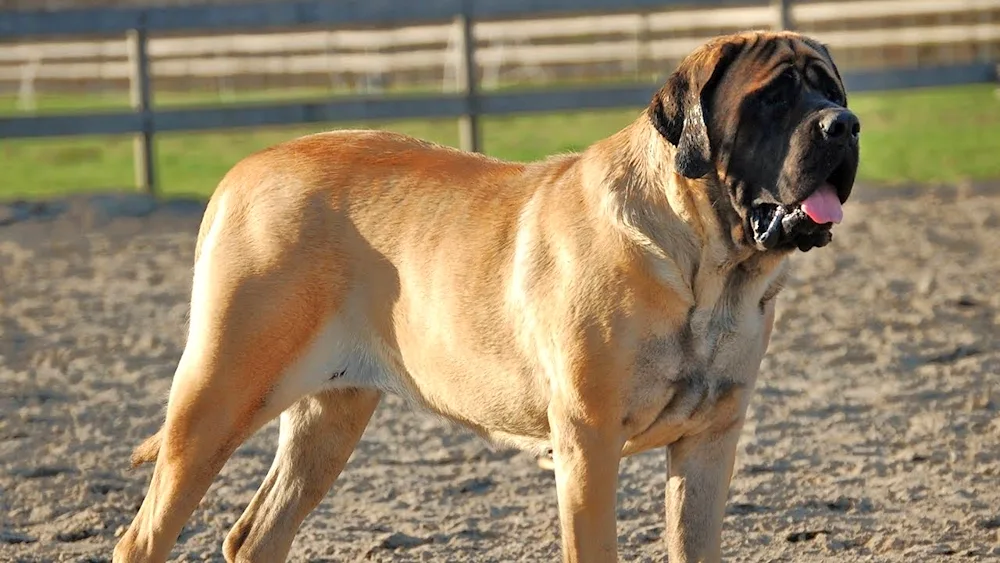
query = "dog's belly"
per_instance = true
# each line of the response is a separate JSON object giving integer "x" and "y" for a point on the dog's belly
{"x": 343, "y": 354}
{"x": 674, "y": 390}
{"x": 347, "y": 353}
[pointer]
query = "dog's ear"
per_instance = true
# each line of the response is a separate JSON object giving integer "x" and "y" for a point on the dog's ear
{"x": 680, "y": 110}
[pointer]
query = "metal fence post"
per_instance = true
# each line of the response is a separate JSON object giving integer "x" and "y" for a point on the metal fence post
{"x": 783, "y": 15}
{"x": 468, "y": 124}
{"x": 141, "y": 96}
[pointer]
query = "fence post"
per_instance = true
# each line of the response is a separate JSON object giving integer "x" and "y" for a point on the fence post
{"x": 468, "y": 124}
{"x": 783, "y": 15}
{"x": 642, "y": 48}
{"x": 141, "y": 95}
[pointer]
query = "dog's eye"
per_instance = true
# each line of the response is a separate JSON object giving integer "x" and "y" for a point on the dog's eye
{"x": 829, "y": 88}
{"x": 775, "y": 97}
{"x": 780, "y": 91}
{"x": 833, "y": 94}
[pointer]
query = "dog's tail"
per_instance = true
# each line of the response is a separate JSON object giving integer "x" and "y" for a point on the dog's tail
{"x": 148, "y": 450}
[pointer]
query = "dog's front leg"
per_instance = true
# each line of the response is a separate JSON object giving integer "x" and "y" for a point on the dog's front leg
{"x": 586, "y": 455}
{"x": 698, "y": 476}
{"x": 699, "y": 472}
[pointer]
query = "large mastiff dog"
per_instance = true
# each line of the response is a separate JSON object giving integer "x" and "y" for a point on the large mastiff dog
{"x": 599, "y": 304}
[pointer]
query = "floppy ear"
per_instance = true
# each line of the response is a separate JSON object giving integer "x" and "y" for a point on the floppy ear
{"x": 680, "y": 110}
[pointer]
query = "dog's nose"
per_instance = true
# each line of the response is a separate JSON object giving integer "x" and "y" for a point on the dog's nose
{"x": 839, "y": 124}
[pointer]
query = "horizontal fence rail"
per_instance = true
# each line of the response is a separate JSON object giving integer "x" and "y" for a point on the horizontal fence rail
{"x": 230, "y": 116}
{"x": 478, "y": 36}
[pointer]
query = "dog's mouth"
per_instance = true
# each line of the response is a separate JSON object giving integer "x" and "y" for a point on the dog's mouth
{"x": 806, "y": 224}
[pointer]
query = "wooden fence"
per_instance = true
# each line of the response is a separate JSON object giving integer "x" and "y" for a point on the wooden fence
{"x": 470, "y": 40}
{"x": 533, "y": 45}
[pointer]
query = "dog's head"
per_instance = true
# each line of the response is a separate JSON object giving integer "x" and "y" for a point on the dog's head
{"x": 764, "y": 114}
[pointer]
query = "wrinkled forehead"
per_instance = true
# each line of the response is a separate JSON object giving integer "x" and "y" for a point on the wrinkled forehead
{"x": 764, "y": 57}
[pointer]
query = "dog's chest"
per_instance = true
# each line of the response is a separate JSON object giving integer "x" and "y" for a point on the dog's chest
{"x": 684, "y": 379}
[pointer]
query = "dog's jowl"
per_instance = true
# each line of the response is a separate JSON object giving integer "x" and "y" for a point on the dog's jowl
{"x": 596, "y": 304}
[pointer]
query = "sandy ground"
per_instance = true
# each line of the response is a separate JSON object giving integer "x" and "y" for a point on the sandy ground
{"x": 874, "y": 434}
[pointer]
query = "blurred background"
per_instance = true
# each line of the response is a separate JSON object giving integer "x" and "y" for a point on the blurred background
{"x": 922, "y": 74}
{"x": 874, "y": 432}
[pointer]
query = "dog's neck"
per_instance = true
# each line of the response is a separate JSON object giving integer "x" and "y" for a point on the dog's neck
{"x": 687, "y": 222}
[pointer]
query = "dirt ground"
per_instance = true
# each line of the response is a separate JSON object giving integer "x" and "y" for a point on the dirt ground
{"x": 874, "y": 434}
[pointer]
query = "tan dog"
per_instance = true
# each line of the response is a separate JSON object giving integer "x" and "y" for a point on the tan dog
{"x": 600, "y": 304}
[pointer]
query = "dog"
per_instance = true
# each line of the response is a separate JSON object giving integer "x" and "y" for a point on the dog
{"x": 598, "y": 304}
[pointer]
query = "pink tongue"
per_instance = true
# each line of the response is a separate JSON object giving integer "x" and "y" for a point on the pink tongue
{"x": 823, "y": 206}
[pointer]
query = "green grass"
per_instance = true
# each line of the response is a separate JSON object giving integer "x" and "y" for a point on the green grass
{"x": 933, "y": 135}
{"x": 936, "y": 135}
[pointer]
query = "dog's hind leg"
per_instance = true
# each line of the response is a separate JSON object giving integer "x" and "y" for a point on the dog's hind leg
{"x": 216, "y": 402}
{"x": 252, "y": 351}
{"x": 318, "y": 435}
